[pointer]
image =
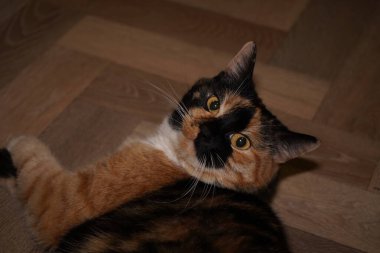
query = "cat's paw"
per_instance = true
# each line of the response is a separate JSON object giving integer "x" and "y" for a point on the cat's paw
{"x": 27, "y": 148}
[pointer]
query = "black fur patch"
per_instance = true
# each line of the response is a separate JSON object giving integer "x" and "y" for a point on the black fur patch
{"x": 212, "y": 144}
{"x": 206, "y": 217}
{"x": 218, "y": 86}
{"x": 7, "y": 169}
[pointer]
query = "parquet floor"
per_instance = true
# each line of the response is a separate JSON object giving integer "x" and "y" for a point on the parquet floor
{"x": 76, "y": 73}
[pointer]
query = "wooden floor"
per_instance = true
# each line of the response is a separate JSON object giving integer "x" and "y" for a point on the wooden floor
{"x": 76, "y": 73}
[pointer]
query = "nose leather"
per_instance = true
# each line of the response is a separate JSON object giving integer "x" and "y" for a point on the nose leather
{"x": 205, "y": 130}
{"x": 209, "y": 129}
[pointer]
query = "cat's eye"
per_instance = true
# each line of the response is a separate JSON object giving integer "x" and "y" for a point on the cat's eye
{"x": 213, "y": 104}
{"x": 240, "y": 141}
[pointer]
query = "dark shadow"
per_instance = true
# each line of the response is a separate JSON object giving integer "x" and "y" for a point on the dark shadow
{"x": 288, "y": 169}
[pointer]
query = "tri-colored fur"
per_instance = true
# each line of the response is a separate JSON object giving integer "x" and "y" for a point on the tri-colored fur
{"x": 134, "y": 197}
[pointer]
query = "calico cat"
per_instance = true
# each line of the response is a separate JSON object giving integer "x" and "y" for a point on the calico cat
{"x": 191, "y": 187}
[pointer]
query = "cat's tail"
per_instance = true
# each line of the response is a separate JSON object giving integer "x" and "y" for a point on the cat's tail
{"x": 7, "y": 168}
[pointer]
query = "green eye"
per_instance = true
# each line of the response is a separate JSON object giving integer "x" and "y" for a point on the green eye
{"x": 240, "y": 141}
{"x": 213, "y": 104}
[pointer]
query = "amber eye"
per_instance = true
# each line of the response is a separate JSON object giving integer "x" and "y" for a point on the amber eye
{"x": 240, "y": 141}
{"x": 213, "y": 104}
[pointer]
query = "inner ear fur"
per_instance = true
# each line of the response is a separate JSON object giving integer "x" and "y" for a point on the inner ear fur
{"x": 289, "y": 145}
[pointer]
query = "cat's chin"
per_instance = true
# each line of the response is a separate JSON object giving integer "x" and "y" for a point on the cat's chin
{"x": 212, "y": 176}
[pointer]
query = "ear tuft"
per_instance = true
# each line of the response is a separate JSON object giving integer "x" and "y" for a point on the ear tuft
{"x": 243, "y": 63}
{"x": 291, "y": 145}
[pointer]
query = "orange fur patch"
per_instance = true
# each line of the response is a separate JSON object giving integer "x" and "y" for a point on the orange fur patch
{"x": 232, "y": 102}
{"x": 196, "y": 95}
{"x": 57, "y": 199}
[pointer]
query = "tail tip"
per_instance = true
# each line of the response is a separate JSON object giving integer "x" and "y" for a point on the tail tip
{"x": 7, "y": 169}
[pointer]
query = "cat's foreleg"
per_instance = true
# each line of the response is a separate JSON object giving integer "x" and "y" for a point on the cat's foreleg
{"x": 33, "y": 175}
{"x": 56, "y": 199}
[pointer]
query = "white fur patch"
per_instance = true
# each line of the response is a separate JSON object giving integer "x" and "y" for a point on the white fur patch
{"x": 14, "y": 142}
{"x": 166, "y": 140}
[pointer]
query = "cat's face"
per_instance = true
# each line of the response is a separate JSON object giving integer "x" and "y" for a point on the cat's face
{"x": 228, "y": 137}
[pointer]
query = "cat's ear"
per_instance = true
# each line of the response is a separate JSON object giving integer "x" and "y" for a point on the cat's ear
{"x": 289, "y": 145}
{"x": 242, "y": 65}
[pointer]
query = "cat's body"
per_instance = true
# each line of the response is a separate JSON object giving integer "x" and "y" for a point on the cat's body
{"x": 204, "y": 220}
{"x": 137, "y": 199}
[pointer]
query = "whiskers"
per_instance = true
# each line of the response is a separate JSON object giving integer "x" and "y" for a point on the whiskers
{"x": 199, "y": 172}
{"x": 174, "y": 100}
{"x": 191, "y": 188}
{"x": 183, "y": 112}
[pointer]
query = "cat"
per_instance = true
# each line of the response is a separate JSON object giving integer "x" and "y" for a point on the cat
{"x": 190, "y": 187}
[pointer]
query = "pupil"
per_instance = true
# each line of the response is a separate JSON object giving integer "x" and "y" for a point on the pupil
{"x": 241, "y": 142}
{"x": 214, "y": 106}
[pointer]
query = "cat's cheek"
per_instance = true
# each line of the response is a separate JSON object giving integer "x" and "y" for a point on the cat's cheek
{"x": 186, "y": 152}
{"x": 256, "y": 169}
{"x": 241, "y": 158}
{"x": 264, "y": 173}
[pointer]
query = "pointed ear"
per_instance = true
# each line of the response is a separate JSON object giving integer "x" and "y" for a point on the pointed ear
{"x": 242, "y": 65}
{"x": 290, "y": 145}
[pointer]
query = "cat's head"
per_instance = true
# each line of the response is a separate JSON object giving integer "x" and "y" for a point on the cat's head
{"x": 227, "y": 136}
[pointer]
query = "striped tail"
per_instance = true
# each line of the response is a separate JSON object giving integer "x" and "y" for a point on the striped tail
{"x": 7, "y": 169}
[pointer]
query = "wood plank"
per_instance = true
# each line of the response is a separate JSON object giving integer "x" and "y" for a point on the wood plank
{"x": 26, "y": 34}
{"x": 8, "y": 8}
{"x": 15, "y": 236}
{"x": 90, "y": 132}
{"x": 129, "y": 90}
{"x": 341, "y": 156}
{"x": 300, "y": 242}
{"x": 290, "y": 92}
{"x": 324, "y": 35}
{"x": 329, "y": 209}
{"x": 43, "y": 90}
{"x": 206, "y": 29}
{"x": 278, "y": 14}
{"x": 161, "y": 55}
{"x": 374, "y": 185}
{"x": 78, "y": 5}
{"x": 353, "y": 102}
{"x": 143, "y": 50}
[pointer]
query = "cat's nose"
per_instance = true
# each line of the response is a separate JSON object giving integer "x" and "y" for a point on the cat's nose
{"x": 210, "y": 128}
